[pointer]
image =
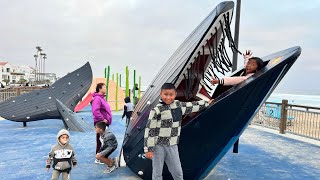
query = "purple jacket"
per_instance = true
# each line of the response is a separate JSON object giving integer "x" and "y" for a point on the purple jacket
{"x": 100, "y": 108}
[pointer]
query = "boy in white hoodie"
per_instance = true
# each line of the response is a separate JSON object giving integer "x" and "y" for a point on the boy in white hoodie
{"x": 63, "y": 157}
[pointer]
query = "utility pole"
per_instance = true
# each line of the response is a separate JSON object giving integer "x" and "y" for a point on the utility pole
{"x": 236, "y": 36}
{"x": 235, "y": 56}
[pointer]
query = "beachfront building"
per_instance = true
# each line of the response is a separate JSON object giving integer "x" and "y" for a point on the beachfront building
{"x": 6, "y": 69}
{"x": 10, "y": 74}
{"x": 22, "y": 74}
{"x": 50, "y": 77}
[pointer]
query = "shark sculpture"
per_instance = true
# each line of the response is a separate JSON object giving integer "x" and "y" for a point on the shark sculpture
{"x": 205, "y": 136}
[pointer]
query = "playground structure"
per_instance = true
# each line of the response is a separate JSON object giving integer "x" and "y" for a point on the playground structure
{"x": 115, "y": 94}
{"x": 206, "y": 136}
{"x": 115, "y": 99}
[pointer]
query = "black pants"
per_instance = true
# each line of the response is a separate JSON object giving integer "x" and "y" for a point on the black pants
{"x": 98, "y": 143}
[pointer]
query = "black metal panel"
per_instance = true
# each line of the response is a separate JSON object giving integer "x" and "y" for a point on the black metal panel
{"x": 41, "y": 104}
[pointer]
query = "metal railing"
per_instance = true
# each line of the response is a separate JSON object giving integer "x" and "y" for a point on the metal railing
{"x": 288, "y": 118}
{"x": 8, "y": 93}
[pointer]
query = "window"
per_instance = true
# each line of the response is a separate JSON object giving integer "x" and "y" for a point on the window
{"x": 13, "y": 77}
{"x": 8, "y": 69}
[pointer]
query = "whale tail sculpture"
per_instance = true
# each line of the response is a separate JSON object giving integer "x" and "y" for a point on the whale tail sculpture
{"x": 55, "y": 102}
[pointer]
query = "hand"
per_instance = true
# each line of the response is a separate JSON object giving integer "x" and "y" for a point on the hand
{"x": 47, "y": 169}
{"x": 149, "y": 155}
{"x": 214, "y": 81}
{"x": 98, "y": 155}
{"x": 211, "y": 101}
{"x": 247, "y": 54}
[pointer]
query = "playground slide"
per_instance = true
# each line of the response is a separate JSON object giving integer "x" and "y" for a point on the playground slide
{"x": 83, "y": 103}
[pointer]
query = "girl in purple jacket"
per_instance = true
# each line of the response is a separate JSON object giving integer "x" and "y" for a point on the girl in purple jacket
{"x": 101, "y": 110}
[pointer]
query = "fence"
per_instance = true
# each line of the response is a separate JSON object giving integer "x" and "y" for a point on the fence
{"x": 9, "y": 93}
{"x": 295, "y": 119}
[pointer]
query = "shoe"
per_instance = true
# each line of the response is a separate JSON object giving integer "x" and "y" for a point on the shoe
{"x": 109, "y": 169}
{"x": 116, "y": 162}
{"x": 98, "y": 162}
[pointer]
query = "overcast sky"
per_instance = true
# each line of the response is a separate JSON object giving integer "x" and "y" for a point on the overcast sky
{"x": 143, "y": 34}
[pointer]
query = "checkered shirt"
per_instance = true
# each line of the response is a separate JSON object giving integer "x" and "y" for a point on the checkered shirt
{"x": 164, "y": 123}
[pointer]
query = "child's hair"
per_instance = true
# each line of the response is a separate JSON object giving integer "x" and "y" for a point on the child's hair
{"x": 102, "y": 125}
{"x": 259, "y": 62}
{"x": 127, "y": 99}
{"x": 168, "y": 86}
{"x": 99, "y": 86}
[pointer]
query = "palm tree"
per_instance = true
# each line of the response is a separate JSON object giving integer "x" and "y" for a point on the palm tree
{"x": 35, "y": 72}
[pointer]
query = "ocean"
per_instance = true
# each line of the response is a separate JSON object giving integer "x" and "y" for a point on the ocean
{"x": 296, "y": 99}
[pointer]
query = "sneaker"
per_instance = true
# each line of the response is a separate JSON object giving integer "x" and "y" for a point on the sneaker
{"x": 116, "y": 162}
{"x": 109, "y": 169}
{"x": 98, "y": 162}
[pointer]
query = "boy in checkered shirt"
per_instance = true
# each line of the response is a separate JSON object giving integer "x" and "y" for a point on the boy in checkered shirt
{"x": 162, "y": 132}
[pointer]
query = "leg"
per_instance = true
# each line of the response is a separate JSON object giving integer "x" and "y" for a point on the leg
{"x": 55, "y": 175}
{"x": 157, "y": 162}
{"x": 66, "y": 176}
{"x": 98, "y": 146}
{"x": 173, "y": 162}
{"x": 98, "y": 143}
{"x": 106, "y": 160}
{"x": 127, "y": 122}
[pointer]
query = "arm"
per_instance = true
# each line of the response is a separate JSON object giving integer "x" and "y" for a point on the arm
{"x": 150, "y": 132}
{"x": 246, "y": 56}
{"x": 96, "y": 109}
{"x": 234, "y": 80}
{"x": 49, "y": 159}
{"x": 73, "y": 158}
{"x": 109, "y": 144}
{"x": 195, "y": 106}
{"x": 109, "y": 116}
{"x": 124, "y": 111}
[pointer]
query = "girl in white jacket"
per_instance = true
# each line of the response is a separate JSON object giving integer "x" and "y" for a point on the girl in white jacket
{"x": 252, "y": 65}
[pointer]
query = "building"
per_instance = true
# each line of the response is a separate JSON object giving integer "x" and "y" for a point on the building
{"x": 10, "y": 74}
{"x": 5, "y": 69}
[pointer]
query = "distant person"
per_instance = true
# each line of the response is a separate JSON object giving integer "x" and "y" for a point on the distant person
{"x": 128, "y": 109}
{"x": 62, "y": 156}
{"x": 101, "y": 111}
{"x": 109, "y": 145}
{"x": 252, "y": 65}
{"x": 162, "y": 131}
